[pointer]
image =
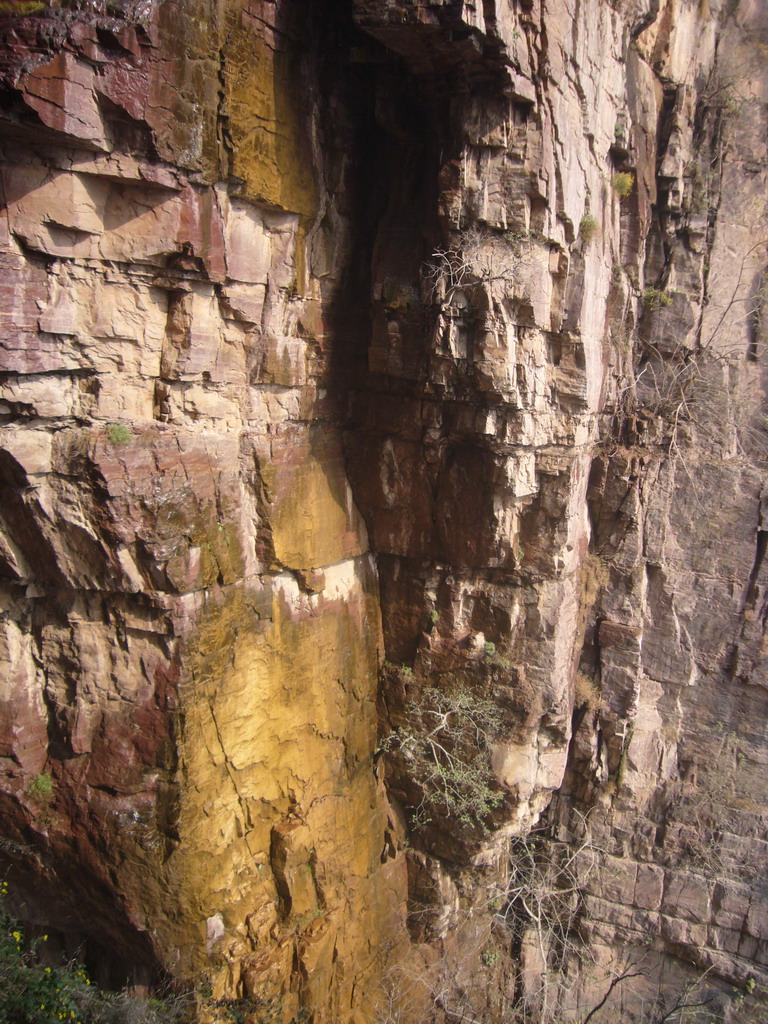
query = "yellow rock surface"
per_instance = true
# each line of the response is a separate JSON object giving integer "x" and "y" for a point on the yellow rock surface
{"x": 281, "y": 824}
{"x": 268, "y": 129}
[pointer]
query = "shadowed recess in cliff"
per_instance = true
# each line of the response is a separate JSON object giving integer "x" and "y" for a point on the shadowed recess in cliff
{"x": 294, "y": 260}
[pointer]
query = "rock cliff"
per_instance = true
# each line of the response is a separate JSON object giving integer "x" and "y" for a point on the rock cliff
{"x": 383, "y": 453}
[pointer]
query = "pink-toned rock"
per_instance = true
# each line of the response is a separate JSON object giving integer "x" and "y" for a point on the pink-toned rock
{"x": 444, "y": 344}
{"x": 62, "y": 94}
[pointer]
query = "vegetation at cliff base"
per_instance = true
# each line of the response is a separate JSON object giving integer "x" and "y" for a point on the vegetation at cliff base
{"x": 19, "y": 8}
{"x": 33, "y": 991}
{"x": 81, "y": 10}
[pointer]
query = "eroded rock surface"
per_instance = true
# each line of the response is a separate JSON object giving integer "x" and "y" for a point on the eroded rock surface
{"x": 191, "y": 630}
{"x": 401, "y": 357}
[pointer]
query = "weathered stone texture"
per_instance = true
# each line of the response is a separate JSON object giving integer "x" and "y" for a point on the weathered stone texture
{"x": 330, "y": 336}
{"x": 191, "y": 626}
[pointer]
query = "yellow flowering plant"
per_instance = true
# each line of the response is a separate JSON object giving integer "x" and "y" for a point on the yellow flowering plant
{"x": 33, "y": 992}
{"x": 36, "y": 990}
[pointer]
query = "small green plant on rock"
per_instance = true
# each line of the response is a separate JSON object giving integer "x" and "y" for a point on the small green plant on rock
{"x": 489, "y": 957}
{"x": 40, "y": 788}
{"x": 396, "y": 295}
{"x": 118, "y": 433}
{"x": 489, "y": 648}
{"x": 403, "y": 672}
{"x": 588, "y": 228}
{"x": 656, "y": 298}
{"x": 623, "y": 183}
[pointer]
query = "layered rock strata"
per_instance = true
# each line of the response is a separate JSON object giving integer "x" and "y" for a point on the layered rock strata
{"x": 191, "y": 629}
{"x": 407, "y": 355}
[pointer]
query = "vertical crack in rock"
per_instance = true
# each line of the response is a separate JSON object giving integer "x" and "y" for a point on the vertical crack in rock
{"x": 382, "y": 422}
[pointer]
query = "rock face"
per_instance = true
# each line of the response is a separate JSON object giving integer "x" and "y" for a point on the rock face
{"x": 191, "y": 628}
{"x": 382, "y": 454}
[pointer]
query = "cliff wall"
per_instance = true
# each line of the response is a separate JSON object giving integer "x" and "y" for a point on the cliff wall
{"x": 382, "y": 459}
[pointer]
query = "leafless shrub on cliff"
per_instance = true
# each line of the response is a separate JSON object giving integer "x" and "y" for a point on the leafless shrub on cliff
{"x": 709, "y": 394}
{"x": 395, "y": 1005}
{"x": 694, "y": 1003}
{"x": 696, "y": 383}
{"x": 729, "y": 84}
{"x": 420, "y": 992}
{"x": 426, "y": 992}
{"x": 476, "y": 260}
{"x": 691, "y": 1004}
{"x": 587, "y": 693}
{"x": 541, "y": 904}
{"x": 672, "y": 386}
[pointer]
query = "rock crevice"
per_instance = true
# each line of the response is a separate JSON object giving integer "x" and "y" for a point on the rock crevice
{"x": 381, "y": 438}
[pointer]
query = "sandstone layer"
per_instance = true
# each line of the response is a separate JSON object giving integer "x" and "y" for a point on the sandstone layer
{"x": 383, "y": 455}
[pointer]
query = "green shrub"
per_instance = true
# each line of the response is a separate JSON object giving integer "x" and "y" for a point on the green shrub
{"x": 40, "y": 788}
{"x": 588, "y": 227}
{"x": 623, "y": 183}
{"x": 34, "y": 992}
{"x": 399, "y": 295}
{"x": 118, "y": 433}
{"x": 489, "y": 648}
{"x": 489, "y": 957}
{"x": 446, "y": 746}
{"x": 655, "y": 298}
